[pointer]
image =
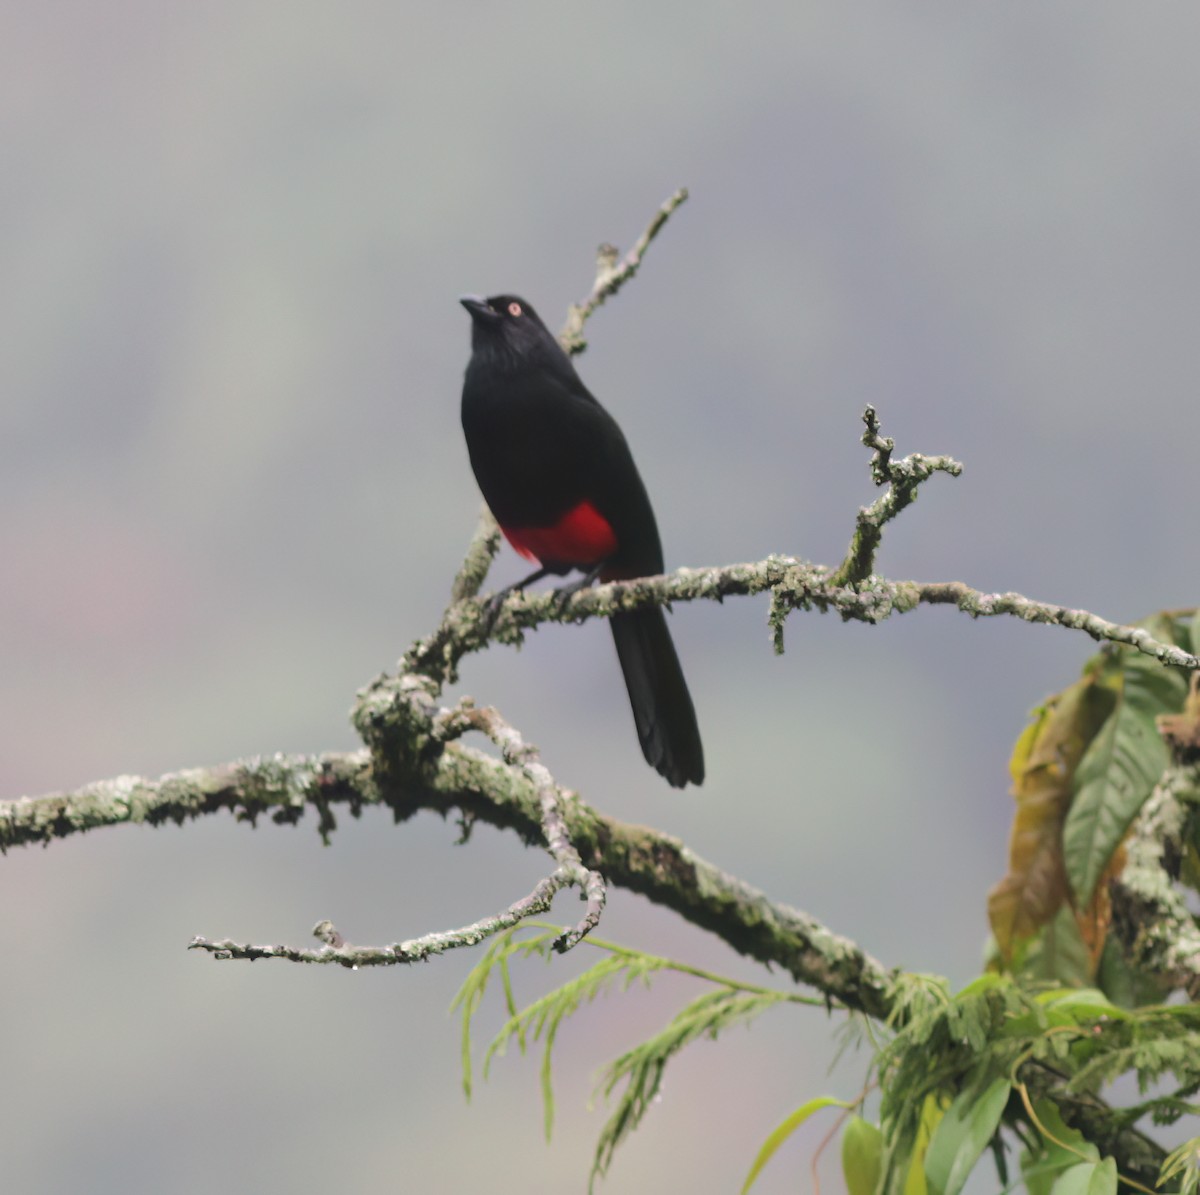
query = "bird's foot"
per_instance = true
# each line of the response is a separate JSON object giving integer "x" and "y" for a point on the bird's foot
{"x": 493, "y": 606}
{"x": 564, "y": 593}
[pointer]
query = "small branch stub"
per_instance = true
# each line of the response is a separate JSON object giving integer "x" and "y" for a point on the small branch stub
{"x": 903, "y": 477}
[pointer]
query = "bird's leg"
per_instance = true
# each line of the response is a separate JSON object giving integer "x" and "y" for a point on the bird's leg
{"x": 564, "y": 593}
{"x": 492, "y": 610}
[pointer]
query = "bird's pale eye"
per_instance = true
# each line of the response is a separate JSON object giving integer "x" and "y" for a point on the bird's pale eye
{"x": 514, "y": 309}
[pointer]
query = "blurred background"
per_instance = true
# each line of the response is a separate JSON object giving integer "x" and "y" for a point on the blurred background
{"x": 234, "y": 488}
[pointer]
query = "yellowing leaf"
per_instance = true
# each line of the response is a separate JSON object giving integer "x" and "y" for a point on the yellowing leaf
{"x": 1094, "y": 920}
{"x": 1043, "y": 765}
{"x": 931, "y": 1116}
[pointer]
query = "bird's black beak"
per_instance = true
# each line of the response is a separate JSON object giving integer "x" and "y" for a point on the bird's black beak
{"x": 478, "y": 309}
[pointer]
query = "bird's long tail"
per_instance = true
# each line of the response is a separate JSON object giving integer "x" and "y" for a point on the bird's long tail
{"x": 662, "y": 705}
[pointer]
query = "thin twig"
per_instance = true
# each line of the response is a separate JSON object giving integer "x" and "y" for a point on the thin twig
{"x": 612, "y": 272}
{"x": 551, "y": 798}
{"x": 416, "y": 950}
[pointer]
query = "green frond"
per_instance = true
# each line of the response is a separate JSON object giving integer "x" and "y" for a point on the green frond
{"x": 642, "y": 1067}
{"x": 470, "y": 995}
{"x": 1183, "y": 1165}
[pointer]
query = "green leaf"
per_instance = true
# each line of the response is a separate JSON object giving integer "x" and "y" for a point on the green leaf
{"x": 1058, "y": 953}
{"x": 1073, "y": 1142}
{"x": 785, "y": 1129}
{"x": 986, "y": 982}
{"x": 1118, "y": 770}
{"x": 1036, "y": 1178}
{"x": 962, "y": 1135}
{"x": 1088, "y": 1178}
{"x": 862, "y": 1156}
{"x": 1080, "y": 1006}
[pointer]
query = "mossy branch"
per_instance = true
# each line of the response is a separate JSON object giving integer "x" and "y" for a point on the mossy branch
{"x": 1151, "y": 917}
{"x": 468, "y": 626}
{"x": 461, "y": 782}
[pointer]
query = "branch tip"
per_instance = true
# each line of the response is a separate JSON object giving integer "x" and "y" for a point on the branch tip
{"x": 612, "y": 272}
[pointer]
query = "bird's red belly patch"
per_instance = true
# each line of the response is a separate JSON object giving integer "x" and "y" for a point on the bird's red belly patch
{"x": 581, "y": 537}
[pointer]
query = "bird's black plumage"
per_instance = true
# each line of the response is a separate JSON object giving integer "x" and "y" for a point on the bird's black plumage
{"x": 558, "y": 475}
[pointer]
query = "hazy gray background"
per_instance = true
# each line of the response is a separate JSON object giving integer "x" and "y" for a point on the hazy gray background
{"x": 234, "y": 488}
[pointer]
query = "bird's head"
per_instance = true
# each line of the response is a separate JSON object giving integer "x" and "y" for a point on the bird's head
{"x": 506, "y": 327}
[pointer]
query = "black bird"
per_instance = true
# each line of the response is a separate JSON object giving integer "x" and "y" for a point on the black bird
{"x": 558, "y": 475}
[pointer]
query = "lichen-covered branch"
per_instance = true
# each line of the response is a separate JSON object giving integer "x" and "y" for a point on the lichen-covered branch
{"x": 455, "y": 780}
{"x": 481, "y": 551}
{"x": 852, "y": 590}
{"x": 793, "y": 584}
{"x": 415, "y": 950}
{"x": 987, "y": 605}
{"x": 281, "y": 787}
{"x": 1150, "y": 914}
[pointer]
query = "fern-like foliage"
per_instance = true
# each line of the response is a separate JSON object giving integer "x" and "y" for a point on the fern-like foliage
{"x": 953, "y": 1049}
{"x": 643, "y": 1066}
{"x": 952, "y": 1068}
{"x": 633, "y": 1080}
{"x": 1182, "y": 1166}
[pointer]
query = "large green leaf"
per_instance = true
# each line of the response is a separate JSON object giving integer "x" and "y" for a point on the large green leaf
{"x": 1079, "y": 1006}
{"x": 962, "y": 1135}
{"x": 1119, "y": 769}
